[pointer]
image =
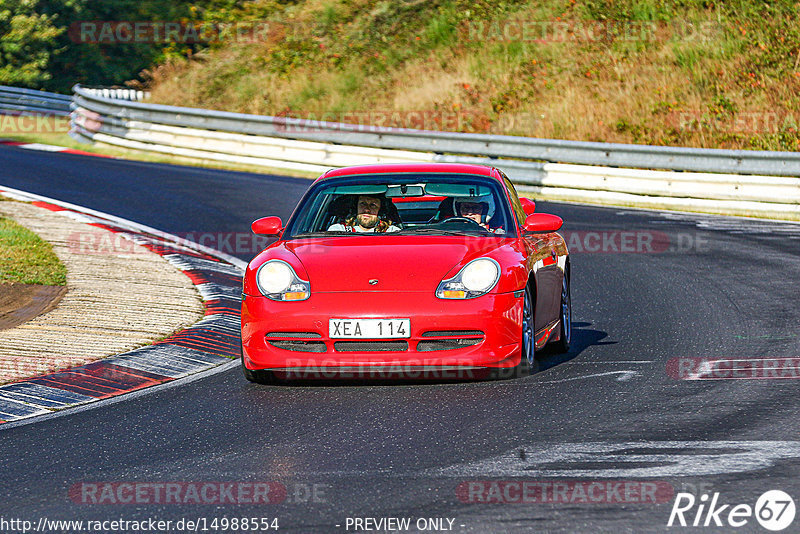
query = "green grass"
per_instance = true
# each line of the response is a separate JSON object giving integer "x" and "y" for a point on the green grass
{"x": 27, "y": 258}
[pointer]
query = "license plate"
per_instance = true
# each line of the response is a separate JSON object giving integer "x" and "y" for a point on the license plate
{"x": 369, "y": 328}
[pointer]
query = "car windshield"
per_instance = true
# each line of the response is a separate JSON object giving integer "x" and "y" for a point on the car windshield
{"x": 443, "y": 204}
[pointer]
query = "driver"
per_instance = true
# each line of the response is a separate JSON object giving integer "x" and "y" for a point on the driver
{"x": 367, "y": 218}
{"x": 475, "y": 211}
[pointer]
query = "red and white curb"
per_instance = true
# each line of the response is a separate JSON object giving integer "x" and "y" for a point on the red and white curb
{"x": 209, "y": 343}
{"x": 50, "y": 148}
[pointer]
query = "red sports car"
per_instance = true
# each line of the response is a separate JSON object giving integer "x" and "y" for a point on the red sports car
{"x": 406, "y": 267}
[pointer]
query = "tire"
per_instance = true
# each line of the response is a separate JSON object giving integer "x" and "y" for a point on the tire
{"x": 256, "y": 376}
{"x": 565, "y": 319}
{"x": 528, "y": 364}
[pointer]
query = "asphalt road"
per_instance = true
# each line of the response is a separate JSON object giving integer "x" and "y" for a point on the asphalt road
{"x": 609, "y": 413}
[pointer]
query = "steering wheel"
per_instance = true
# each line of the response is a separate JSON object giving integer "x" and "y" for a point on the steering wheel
{"x": 460, "y": 219}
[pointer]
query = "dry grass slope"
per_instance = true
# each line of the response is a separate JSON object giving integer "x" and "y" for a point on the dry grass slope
{"x": 689, "y": 73}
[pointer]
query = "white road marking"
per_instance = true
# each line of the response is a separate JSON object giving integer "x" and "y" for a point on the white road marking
{"x": 625, "y": 375}
{"x": 603, "y": 362}
{"x": 44, "y": 148}
{"x": 628, "y": 459}
{"x": 735, "y": 225}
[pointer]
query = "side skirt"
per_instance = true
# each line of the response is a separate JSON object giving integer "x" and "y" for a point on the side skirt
{"x": 543, "y": 335}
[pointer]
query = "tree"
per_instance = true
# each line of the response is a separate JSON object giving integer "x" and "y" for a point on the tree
{"x": 39, "y": 48}
{"x": 103, "y": 63}
{"x": 27, "y": 43}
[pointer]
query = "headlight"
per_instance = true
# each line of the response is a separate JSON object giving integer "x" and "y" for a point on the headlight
{"x": 477, "y": 278}
{"x": 277, "y": 280}
{"x": 480, "y": 275}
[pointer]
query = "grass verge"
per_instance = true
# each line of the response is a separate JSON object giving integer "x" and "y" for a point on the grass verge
{"x": 27, "y": 258}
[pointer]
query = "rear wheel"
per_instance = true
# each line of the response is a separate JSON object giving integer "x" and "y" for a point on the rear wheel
{"x": 562, "y": 345}
{"x": 256, "y": 376}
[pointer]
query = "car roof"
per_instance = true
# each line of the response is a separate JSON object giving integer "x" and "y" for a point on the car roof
{"x": 394, "y": 168}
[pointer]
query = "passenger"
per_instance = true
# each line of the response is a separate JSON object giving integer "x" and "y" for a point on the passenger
{"x": 370, "y": 216}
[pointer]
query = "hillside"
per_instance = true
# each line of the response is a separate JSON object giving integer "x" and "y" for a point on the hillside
{"x": 689, "y": 73}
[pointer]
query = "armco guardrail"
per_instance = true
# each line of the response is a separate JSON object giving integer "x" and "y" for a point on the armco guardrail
{"x": 22, "y": 101}
{"x": 316, "y": 146}
{"x": 116, "y": 117}
{"x": 495, "y": 146}
{"x": 118, "y": 93}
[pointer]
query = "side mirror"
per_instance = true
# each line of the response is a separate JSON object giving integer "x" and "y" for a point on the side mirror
{"x": 528, "y": 205}
{"x": 267, "y": 226}
{"x": 542, "y": 223}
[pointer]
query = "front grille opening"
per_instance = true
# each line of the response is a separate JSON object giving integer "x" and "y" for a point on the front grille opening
{"x": 452, "y": 333}
{"x": 292, "y": 335}
{"x": 446, "y": 344}
{"x": 370, "y": 346}
{"x": 299, "y": 346}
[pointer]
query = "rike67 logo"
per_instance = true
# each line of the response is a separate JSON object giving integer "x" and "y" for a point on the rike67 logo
{"x": 774, "y": 511}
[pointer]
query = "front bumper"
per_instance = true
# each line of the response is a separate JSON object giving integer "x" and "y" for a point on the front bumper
{"x": 475, "y": 333}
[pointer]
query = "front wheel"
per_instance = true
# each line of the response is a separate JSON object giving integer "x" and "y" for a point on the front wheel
{"x": 527, "y": 361}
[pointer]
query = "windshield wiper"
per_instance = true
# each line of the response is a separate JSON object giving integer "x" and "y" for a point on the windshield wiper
{"x": 332, "y": 233}
{"x": 317, "y": 234}
{"x": 438, "y": 231}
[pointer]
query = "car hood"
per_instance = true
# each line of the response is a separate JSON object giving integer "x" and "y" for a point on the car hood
{"x": 398, "y": 263}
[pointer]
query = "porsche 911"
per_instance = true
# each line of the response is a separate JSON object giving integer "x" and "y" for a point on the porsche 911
{"x": 408, "y": 267}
